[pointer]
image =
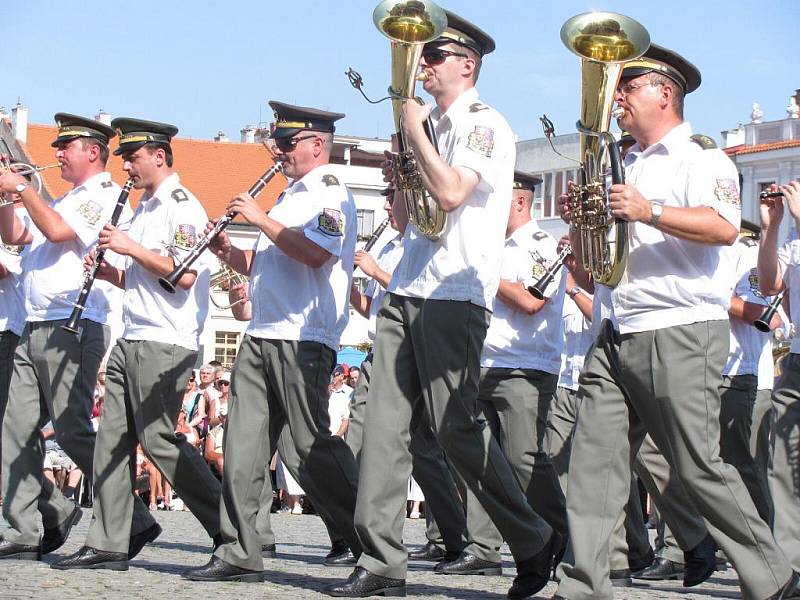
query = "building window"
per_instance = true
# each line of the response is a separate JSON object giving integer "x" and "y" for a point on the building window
{"x": 226, "y": 345}
{"x": 366, "y": 220}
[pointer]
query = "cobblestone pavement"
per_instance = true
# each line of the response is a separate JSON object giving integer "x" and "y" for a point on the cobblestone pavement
{"x": 296, "y": 573}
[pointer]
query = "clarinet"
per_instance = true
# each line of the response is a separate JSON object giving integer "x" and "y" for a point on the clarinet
{"x": 762, "y": 323}
{"x": 170, "y": 282}
{"x": 376, "y": 234}
{"x": 88, "y": 281}
{"x": 538, "y": 288}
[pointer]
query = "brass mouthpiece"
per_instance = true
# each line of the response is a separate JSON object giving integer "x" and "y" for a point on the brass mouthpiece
{"x": 618, "y": 112}
{"x": 422, "y": 76}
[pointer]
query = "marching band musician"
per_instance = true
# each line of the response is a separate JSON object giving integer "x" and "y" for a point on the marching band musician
{"x": 150, "y": 363}
{"x": 432, "y": 324}
{"x": 300, "y": 268}
{"x": 520, "y": 362}
{"x": 58, "y": 237}
{"x": 656, "y": 366}
{"x": 778, "y": 270}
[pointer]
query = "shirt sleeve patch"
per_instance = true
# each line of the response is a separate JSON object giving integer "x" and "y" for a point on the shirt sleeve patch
{"x": 727, "y": 192}
{"x": 481, "y": 140}
{"x": 185, "y": 237}
{"x": 90, "y": 211}
{"x": 539, "y": 265}
{"x": 752, "y": 280}
{"x": 331, "y": 222}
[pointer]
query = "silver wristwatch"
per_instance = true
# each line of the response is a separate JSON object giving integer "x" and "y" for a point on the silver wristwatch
{"x": 655, "y": 213}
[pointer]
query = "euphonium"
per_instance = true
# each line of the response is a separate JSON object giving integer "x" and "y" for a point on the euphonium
{"x": 409, "y": 25}
{"x": 605, "y": 42}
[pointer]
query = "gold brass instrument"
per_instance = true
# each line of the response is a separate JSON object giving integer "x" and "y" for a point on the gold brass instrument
{"x": 604, "y": 41}
{"x": 222, "y": 281}
{"x": 25, "y": 169}
{"x": 410, "y": 24}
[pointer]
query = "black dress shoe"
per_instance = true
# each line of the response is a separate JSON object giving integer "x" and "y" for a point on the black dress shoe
{"x": 217, "y": 569}
{"x": 362, "y": 583}
{"x": 54, "y": 538}
{"x": 534, "y": 572}
{"x": 138, "y": 541}
{"x": 700, "y": 561}
{"x": 341, "y": 559}
{"x": 789, "y": 589}
{"x": 269, "y": 551}
{"x": 661, "y": 569}
{"x": 621, "y": 577}
{"x": 468, "y": 564}
{"x": 14, "y": 551}
{"x": 429, "y": 551}
{"x": 91, "y": 558}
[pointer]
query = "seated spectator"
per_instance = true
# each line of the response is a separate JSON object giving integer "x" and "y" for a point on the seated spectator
{"x": 223, "y": 386}
{"x": 190, "y": 432}
{"x": 58, "y": 467}
{"x": 339, "y": 400}
{"x": 214, "y": 439}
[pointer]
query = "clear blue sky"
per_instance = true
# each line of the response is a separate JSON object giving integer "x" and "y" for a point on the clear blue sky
{"x": 208, "y": 66}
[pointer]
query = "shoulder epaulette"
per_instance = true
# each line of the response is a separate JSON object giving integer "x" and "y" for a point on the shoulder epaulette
{"x": 539, "y": 235}
{"x": 748, "y": 241}
{"x": 107, "y": 184}
{"x": 477, "y": 106}
{"x": 179, "y": 195}
{"x": 330, "y": 179}
{"x": 702, "y": 140}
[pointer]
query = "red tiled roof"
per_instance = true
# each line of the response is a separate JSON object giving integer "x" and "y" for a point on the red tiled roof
{"x": 745, "y": 149}
{"x": 213, "y": 171}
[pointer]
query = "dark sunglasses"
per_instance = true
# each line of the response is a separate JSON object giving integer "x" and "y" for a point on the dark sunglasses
{"x": 223, "y": 382}
{"x": 289, "y": 144}
{"x": 436, "y": 56}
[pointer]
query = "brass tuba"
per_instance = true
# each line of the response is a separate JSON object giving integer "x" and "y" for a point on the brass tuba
{"x": 605, "y": 42}
{"x": 409, "y": 25}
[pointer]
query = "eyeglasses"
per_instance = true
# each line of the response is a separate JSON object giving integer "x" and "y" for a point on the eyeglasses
{"x": 629, "y": 88}
{"x": 289, "y": 144}
{"x": 436, "y": 56}
{"x": 221, "y": 382}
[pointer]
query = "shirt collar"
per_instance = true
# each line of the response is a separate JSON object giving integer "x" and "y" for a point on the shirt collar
{"x": 310, "y": 180}
{"x": 461, "y": 105}
{"x": 670, "y": 143}
{"x": 166, "y": 188}
{"x": 93, "y": 181}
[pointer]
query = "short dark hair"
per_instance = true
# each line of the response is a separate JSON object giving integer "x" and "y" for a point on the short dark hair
{"x": 677, "y": 91}
{"x": 153, "y": 146}
{"x": 102, "y": 148}
{"x": 478, "y": 62}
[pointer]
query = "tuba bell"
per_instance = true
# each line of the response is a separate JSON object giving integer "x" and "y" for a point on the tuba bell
{"x": 410, "y": 24}
{"x": 605, "y": 41}
{"x": 221, "y": 282}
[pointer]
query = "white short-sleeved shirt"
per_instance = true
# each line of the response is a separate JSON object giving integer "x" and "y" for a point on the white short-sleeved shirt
{"x": 464, "y": 263}
{"x": 387, "y": 261}
{"x": 789, "y": 259}
{"x": 515, "y": 339}
{"x": 670, "y": 281}
{"x": 578, "y": 337}
{"x": 169, "y": 223}
{"x": 292, "y": 301}
{"x": 339, "y": 407}
{"x": 12, "y": 300}
{"x": 747, "y": 342}
{"x": 53, "y": 273}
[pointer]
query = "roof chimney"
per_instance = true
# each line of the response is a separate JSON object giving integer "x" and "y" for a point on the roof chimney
{"x": 19, "y": 119}
{"x": 249, "y": 134}
{"x": 221, "y": 137}
{"x": 103, "y": 117}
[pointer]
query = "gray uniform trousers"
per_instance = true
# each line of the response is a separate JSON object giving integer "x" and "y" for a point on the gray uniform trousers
{"x": 515, "y": 403}
{"x": 784, "y": 473}
{"x": 760, "y": 446}
{"x": 738, "y": 397}
{"x": 630, "y": 541}
{"x": 626, "y": 390}
{"x": 277, "y": 382}
{"x": 429, "y": 351}
{"x": 54, "y": 376}
{"x": 145, "y": 381}
{"x": 429, "y": 468}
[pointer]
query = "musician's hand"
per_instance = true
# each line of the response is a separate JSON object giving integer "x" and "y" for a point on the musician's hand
{"x": 245, "y": 205}
{"x": 115, "y": 240}
{"x": 103, "y": 270}
{"x": 626, "y": 202}
{"x": 238, "y": 293}
{"x": 791, "y": 193}
{"x": 569, "y": 260}
{"x": 9, "y": 181}
{"x": 771, "y": 210}
{"x": 564, "y": 208}
{"x": 367, "y": 264}
{"x": 221, "y": 244}
{"x": 387, "y": 166}
{"x": 414, "y": 115}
